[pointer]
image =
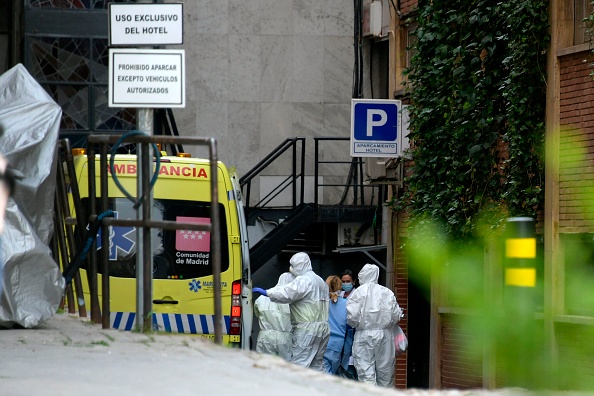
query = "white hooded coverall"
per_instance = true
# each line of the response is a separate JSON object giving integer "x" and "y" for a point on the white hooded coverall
{"x": 308, "y": 299}
{"x": 373, "y": 311}
{"x": 274, "y": 319}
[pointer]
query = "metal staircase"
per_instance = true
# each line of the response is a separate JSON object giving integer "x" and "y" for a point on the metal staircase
{"x": 303, "y": 225}
{"x": 281, "y": 235}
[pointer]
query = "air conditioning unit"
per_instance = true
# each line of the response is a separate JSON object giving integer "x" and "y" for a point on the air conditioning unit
{"x": 383, "y": 168}
{"x": 372, "y": 18}
{"x": 375, "y": 168}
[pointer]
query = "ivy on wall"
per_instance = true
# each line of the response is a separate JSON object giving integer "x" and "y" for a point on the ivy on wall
{"x": 477, "y": 88}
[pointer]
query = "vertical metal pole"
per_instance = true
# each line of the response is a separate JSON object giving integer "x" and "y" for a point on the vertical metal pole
{"x": 215, "y": 241}
{"x": 92, "y": 278}
{"x": 139, "y": 246}
{"x": 104, "y": 254}
{"x": 295, "y": 174}
{"x": 316, "y": 172}
{"x": 146, "y": 238}
{"x": 302, "y": 195}
{"x": 145, "y": 124}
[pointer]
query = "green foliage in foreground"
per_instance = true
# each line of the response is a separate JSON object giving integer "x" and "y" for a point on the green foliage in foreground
{"x": 502, "y": 325}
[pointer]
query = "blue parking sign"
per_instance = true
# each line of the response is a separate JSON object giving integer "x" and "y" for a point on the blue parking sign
{"x": 375, "y": 126}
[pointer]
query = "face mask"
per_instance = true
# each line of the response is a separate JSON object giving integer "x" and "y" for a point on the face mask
{"x": 347, "y": 287}
{"x": 292, "y": 270}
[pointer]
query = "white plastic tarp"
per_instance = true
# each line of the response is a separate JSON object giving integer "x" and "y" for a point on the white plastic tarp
{"x": 31, "y": 284}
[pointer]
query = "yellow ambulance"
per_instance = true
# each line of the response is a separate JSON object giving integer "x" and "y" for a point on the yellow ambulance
{"x": 183, "y": 290}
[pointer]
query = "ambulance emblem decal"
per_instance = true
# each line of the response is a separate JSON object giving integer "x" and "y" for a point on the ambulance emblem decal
{"x": 119, "y": 240}
{"x": 195, "y": 285}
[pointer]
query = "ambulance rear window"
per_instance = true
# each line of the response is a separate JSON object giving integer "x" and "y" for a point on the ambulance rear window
{"x": 179, "y": 254}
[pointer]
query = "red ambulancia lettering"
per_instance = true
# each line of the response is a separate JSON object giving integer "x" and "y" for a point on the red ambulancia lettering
{"x": 202, "y": 173}
{"x": 170, "y": 170}
{"x": 123, "y": 169}
{"x": 186, "y": 171}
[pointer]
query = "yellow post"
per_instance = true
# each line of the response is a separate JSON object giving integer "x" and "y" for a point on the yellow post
{"x": 518, "y": 340}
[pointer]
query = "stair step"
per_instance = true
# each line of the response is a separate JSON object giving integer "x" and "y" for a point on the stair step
{"x": 310, "y": 240}
{"x": 277, "y": 239}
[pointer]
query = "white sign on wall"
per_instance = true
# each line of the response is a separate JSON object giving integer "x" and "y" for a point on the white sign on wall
{"x": 146, "y": 78}
{"x": 145, "y": 24}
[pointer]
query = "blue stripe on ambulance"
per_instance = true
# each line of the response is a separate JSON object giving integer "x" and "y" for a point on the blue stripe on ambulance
{"x": 192, "y": 324}
{"x": 117, "y": 320}
{"x": 130, "y": 322}
{"x": 165, "y": 323}
{"x": 175, "y": 323}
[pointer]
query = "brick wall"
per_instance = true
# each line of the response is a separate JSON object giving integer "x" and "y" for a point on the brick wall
{"x": 576, "y": 152}
{"x": 401, "y": 289}
{"x": 401, "y": 286}
{"x": 407, "y": 6}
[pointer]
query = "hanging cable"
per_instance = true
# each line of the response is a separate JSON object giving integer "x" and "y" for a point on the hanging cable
{"x": 357, "y": 84}
{"x": 76, "y": 263}
{"x": 137, "y": 202}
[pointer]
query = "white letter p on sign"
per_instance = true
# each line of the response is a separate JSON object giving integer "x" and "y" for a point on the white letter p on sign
{"x": 371, "y": 123}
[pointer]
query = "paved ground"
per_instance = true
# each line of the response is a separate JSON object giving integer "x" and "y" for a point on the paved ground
{"x": 69, "y": 356}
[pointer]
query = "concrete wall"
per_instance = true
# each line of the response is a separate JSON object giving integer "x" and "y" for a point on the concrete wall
{"x": 261, "y": 71}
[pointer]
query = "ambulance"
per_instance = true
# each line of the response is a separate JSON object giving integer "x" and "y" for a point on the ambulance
{"x": 183, "y": 288}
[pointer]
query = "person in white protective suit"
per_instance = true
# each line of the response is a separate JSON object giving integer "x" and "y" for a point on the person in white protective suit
{"x": 274, "y": 319}
{"x": 308, "y": 298}
{"x": 373, "y": 311}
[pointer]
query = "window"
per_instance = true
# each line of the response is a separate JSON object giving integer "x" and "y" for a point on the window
{"x": 411, "y": 41}
{"x": 177, "y": 254}
{"x": 582, "y": 10}
{"x": 5, "y": 35}
{"x": 65, "y": 49}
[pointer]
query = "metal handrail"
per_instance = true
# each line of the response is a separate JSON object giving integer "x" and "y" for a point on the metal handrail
{"x": 355, "y": 177}
{"x": 147, "y": 223}
{"x": 290, "y": 181}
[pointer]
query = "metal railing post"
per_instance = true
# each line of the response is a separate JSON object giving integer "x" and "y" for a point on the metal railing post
{"x": 294, "y": 146}
{"x": 146, "y": 223}
{"x": 316, "y": 172}
{"x": 104, "y": 254}
{"x": 147, "y": 254}
{"x": 302, "y": 170}
{"x": 92, "y": 274}
{"x": 215, "y": 240}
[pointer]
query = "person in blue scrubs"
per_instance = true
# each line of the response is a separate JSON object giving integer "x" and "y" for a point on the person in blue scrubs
{"x": 340, "y": 343}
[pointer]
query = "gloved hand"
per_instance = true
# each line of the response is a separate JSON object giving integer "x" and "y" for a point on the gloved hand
{"x": 259, "y": 290}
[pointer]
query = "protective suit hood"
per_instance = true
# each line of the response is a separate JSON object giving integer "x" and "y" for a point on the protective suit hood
{"x": 285, "y": 278}
{"x": 369, "y": 274}
{"x": 301, "y": 263}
